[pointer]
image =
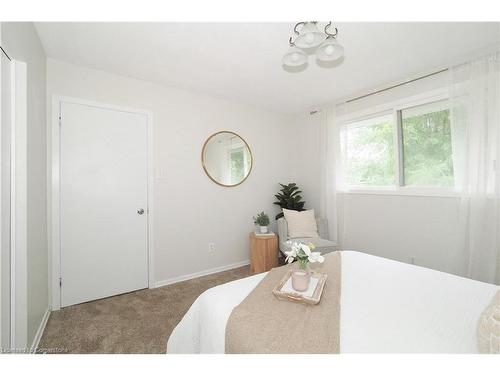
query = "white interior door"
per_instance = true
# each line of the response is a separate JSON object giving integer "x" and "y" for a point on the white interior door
{"x": 103, "y": 188}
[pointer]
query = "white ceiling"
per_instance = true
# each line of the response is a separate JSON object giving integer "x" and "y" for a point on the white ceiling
{"x": 242, "y": 61}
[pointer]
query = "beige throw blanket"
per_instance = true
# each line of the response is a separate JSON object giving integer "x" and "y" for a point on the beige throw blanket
{"x": 264, "y": 324}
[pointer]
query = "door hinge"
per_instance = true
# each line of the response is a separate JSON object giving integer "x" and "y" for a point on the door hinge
{"x": 60, "y": 282}
{"x": 60, "y": 121}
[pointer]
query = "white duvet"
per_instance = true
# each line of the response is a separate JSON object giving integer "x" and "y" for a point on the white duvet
{"x": 386, "y": 306}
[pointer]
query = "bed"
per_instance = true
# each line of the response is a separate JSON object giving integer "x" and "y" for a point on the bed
{"x": 386, "y": 307}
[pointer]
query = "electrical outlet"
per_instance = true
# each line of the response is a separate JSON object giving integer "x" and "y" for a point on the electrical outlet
{"x": 211, "y": 247}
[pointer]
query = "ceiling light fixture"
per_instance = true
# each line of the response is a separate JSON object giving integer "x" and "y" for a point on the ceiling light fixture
{"x": 294, "y": 56}
{"x": 309, "y": 37}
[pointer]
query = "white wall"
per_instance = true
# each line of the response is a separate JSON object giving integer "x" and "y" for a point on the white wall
{"x": 393, "y": 226}
{"x": 306, "y": 159}
{"x": 404, "y": 227}
{"x": 190, "y": 211}
{"x": 21, "y": 42}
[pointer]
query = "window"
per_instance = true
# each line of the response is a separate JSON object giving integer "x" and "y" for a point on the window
{"x": 427, "y": 156}
{"x": 407, "y": 147}
{"x": 369, "y": 152}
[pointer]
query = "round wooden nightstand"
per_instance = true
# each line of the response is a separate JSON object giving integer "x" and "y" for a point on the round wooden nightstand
{"x": 263, "y": 252}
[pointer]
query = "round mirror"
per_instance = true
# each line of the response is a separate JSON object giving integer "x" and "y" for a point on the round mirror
{"x": 226, "y": 158}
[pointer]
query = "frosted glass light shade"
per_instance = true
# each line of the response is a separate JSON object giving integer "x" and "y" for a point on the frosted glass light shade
{"x": 330, "y": 50}
{"x": 294, "y": 57}
{"x": 309, "y": 36}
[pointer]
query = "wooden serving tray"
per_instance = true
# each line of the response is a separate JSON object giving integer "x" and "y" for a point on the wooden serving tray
{"x": 298, "y": 296}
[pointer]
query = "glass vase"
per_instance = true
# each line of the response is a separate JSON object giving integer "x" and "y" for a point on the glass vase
{"x": 301, "y": 276}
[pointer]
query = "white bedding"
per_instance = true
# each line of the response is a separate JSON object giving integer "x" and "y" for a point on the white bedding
{"x": 386, "y": 306}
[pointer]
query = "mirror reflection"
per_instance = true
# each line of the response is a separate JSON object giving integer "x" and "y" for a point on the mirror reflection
{"x": 226, "y": 158}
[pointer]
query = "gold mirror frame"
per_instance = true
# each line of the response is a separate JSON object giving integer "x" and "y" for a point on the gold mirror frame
{"x": 203, "y": 159}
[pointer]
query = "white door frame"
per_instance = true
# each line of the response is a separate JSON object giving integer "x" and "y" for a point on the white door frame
{"x": 19, "y": 202}
{"x": 54, "y": 192}
{"x": 5, "y": 252}
{"x": 18, "y": 299}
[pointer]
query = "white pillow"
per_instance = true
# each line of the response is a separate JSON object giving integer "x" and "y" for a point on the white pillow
{"x": 301, "y": 224}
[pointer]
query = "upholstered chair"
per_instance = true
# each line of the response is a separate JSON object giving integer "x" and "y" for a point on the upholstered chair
{"x": 322, "y": 243}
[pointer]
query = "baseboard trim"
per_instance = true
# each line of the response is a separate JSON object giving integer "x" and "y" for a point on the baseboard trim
{"x": 39, "y": 332}
{"x": 210, "y": 271}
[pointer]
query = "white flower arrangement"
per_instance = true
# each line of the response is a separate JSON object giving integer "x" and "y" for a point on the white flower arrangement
{"x": 303, "y": 254}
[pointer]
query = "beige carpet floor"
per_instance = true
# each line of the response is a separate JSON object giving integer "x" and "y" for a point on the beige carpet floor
{"x": 137, "y": 322}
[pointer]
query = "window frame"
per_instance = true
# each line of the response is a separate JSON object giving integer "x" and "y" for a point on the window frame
{"x": 395, "y": 108}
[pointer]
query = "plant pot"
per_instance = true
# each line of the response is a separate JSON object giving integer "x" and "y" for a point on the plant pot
{"x": 263, "y": 229}
{"x": 301, "y": 278}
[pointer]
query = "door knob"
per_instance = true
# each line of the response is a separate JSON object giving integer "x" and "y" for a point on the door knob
{"x": 140, "y": 211}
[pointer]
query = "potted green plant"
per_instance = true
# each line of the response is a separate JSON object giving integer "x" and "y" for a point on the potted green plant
{"x": 289, "y": 197}
{"x": 262, "y": 220}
